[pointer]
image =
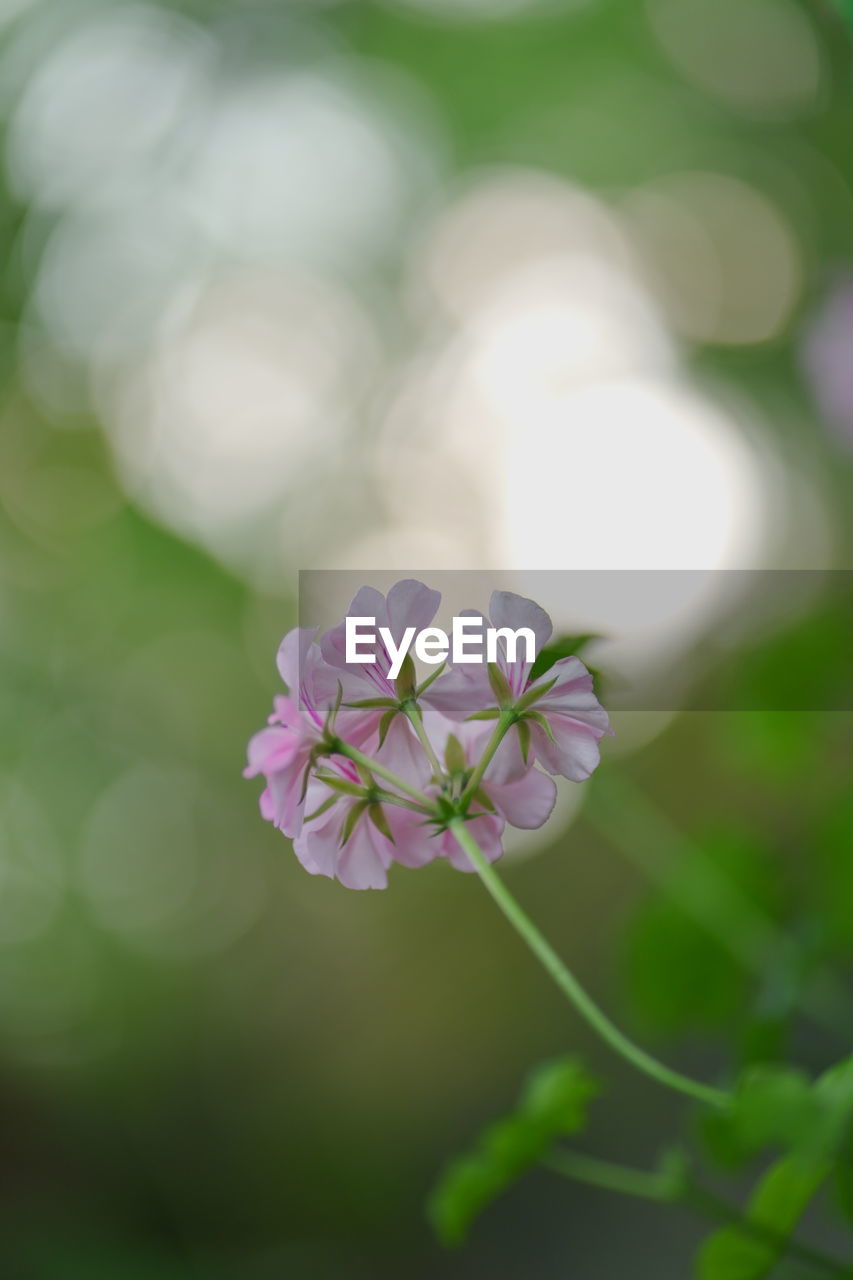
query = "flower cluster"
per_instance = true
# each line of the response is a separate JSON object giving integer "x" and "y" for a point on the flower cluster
{"x": 362, "y": 771}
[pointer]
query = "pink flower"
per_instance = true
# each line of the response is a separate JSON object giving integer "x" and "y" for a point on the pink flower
{"x": 526, "y": 800}
{"x": 283, "y": 752}
{"x": 565, "y": 722}
{"x": 349, "y": 839}
{"x": 361, "y": 773}
{"x": 409, "y": 604}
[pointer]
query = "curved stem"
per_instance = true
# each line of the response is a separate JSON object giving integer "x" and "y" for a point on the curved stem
{"x": 358, "y": 757}
{"x": 660, "y": 1188}
{"x": 611, "y": 1177}
{"x": 505, "y": 722}
{"x": 572, "y": 989}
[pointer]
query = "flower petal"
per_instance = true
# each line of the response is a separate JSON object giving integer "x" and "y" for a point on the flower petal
{"x": 506, "y": 609}
{"x": 486, "y": 831}
{"x": 527, "y": 802}
{"x": 410, "y": 604}
{"x": 574, "y": 753}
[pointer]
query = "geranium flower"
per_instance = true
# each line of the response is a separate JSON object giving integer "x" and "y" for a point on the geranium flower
{"x": 409, "y": 604}
{"x": 562, "y": 720}
{"x": 283, "y": 752}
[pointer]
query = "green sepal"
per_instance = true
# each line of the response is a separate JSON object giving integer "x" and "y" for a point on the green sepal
{"x": 376, "y": 814}
{"x": 533, "y": 695}
{"x": 351, "y": 820}
{"x": 524, "y": 739}
{"x": 372, "y": 702}
{"x": 429, "y": 680}
{"x": 407, "y": 680}
{"x": 481, "y": 798}
{"x": 342, "y": 785}
{"x": 385, "y": 724}
{"x": 454, "y": 755}
{"x": 491, "y": 713}
{"x": 315, "y": 755}
{"x": 321, "y": 809}
{"x": 364, "y": 773}
{"x": 499, "y": 684}
{"x": 329, "y": 724}
{"x": 538, "y": 718}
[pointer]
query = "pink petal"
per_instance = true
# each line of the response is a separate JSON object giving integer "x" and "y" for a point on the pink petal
{"x": 574, "y": 754}
{"x": 506, "y": 609}
{"x": 410, "y": 604}
{"x": 527, "y": 802}
{"x": 364, "y": 860}
{"x": 461, "y": 691}
{"x": 486, "y": 831}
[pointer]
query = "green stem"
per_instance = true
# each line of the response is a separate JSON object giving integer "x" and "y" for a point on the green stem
{"x": 388, "y": 797}
{"x": 570, "y": 986}
{"x": 661, "y": 1189}
{"x": 413, "y": 713}
{"x": 358, "y": 757}
{"x": 505, "y": 722}
{"x": 611, "y": 1177}
{"x": 712, "y": 1206}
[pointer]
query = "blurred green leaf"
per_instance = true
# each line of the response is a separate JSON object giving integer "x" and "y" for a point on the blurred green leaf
{"x": 683, "y": 974}
{"x": 552, "y": 1105}
{"x": 774, "y": 1106}
{"x": 834, "y": 847}
{"x": 777, "y": 1106}
{"x": 563, "y": 647}
{"x": 776, "y": 1205}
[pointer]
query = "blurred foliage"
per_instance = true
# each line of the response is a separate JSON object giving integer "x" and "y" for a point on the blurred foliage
{"x": 777, "y": 1203}
{"x": 553, "y": 1105}
{"x": 215, "y": 1067}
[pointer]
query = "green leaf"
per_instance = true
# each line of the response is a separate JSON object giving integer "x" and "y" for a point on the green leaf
{"x": 774, "y": 1106}
{"x": 778, "y": 1106}
{"x": 563, "y": 647}
{"x": 776, "y": 1206}
{"x": 553, "y": 1104}
{"x": 834, "y": 883}
{"x": 683, "y": 951}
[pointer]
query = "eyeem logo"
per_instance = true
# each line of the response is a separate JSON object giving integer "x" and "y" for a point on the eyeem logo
{"x": 432, "y": 645}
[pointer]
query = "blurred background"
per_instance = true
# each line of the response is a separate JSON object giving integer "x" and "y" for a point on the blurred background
{"x": 410, "y": 285}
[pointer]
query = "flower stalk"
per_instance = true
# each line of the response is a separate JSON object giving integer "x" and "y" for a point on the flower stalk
{"x": 572, "y": 989}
